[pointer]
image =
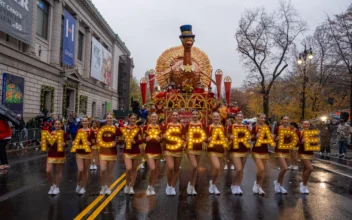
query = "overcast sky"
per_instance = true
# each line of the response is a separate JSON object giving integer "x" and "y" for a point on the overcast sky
{"x": 148, "y": 27}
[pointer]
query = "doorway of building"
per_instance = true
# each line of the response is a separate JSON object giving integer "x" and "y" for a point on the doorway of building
{"x": 70, "y": 101}
{"x": 47, "y": 101}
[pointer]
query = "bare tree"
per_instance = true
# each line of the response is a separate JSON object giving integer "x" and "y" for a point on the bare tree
{"x": 340, "y": 27}
{"x": 263, "y": 41}
{"x": 324, "y": 65}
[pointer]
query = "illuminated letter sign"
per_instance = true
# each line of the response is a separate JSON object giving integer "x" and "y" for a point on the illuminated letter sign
{"x": 81, "y": 142}
{"x": 236, "y": 140}
{"x": 173, "y": 138}
{"x": 47, "y": 138}
{"x": 193, "y": 140}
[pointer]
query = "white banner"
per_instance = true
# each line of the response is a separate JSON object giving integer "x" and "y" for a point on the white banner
{"x": 101, "y": 66}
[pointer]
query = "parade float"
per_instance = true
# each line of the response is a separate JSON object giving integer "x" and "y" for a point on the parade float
{"x": 184, "y": 75}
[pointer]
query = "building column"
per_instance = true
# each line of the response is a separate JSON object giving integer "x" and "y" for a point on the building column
{"x": 59, "y": 95}
{"x": 87, "y": 52}
{"x": 30, "y": 48}
{"x": 114, "y": 70}
{"x": 113, "y": 53}
{"x": 56, "y": 33}
{"x": 78, "y": 21}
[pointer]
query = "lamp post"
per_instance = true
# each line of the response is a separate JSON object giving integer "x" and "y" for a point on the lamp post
{"x": 302, "y": 60}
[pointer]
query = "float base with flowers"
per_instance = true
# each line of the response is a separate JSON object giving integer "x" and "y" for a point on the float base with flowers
{"x": 184, "y": 77}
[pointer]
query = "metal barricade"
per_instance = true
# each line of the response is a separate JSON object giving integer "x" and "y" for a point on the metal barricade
{"x": 24, "y": 138}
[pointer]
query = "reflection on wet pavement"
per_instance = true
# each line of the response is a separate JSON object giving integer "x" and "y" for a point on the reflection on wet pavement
{"x": 23, "y": 194}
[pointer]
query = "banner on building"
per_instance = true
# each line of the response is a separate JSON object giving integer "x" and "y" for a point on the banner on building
{"x": 68, "y": 45}
{"x": 101, "y": 64}
{"x": 13, "y": 92}
{"x": 108, "y": 107}
{"x": 16, "y": 19}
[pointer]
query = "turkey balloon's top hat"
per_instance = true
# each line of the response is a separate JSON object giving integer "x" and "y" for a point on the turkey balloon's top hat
{"x": 186, "y": 31}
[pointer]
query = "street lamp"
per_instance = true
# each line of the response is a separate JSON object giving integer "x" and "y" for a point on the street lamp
{"x": 323, "y": 118}
{"x": 302, "y": 60}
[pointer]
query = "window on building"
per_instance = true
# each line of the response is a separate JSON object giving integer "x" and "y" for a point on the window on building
{"x": 103, "y": 110}
{"x": 94, "y": 106}
{"x": 42, "y": 19}
{"x": 80, "y": 46}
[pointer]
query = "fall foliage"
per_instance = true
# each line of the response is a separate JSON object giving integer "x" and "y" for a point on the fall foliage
{"x": 328, "y": 74}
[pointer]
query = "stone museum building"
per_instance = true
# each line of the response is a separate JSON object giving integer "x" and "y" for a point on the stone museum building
{"x": 61, "y": 56}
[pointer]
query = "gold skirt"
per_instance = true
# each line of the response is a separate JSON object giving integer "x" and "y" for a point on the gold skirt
{"x": 281, "y": 155}
{"x": 173, "y": 154}
{"x": 107, "y": 157}
{"x": 95, "y": 147}
{"x": 56, "y": 160}
{"x": 260, "y": 156}
{"x": 153, "y": 156}
{"x": 132, "y": 156}
{"x": 84, "y": 156}
{"x": 215, "y": 154}
{"x": 305, "y": 156}
{"x": 194, "y": 152}
{"x": 239, "y": 154}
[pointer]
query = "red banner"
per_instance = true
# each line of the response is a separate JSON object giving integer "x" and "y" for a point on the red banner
{"x": 227, "y": 84}
{"x": 151, "y": 82}
{"x": 218, "y": 79}
{"x": 143, "y": 85}
{"x": 185, "y": 116}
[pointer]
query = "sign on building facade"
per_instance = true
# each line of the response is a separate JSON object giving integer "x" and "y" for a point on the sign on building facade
{"x": 13, "y": 92}
{"x": 101, "y": 63}
{"x": 68, "y": 47}
{"x": 16, "y": 19}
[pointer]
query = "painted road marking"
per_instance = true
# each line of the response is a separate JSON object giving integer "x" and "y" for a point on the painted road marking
{"x": 106, "y": 201}
{"x": 97, "y": 200}
{"x": 109, "y": 198}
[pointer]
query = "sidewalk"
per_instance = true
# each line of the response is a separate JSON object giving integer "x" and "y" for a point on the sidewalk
{"x": 335, "y": 158}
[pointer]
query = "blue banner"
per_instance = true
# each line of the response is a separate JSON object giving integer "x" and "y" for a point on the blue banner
{"x": 13, "y": 92}
{"x": 68, "y": 47}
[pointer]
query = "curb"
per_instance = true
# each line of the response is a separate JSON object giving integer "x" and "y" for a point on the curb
{"x": 18, "y": 150}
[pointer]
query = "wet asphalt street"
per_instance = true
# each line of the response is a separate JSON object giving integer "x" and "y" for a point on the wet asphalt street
{"x": 24, "y": 187}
